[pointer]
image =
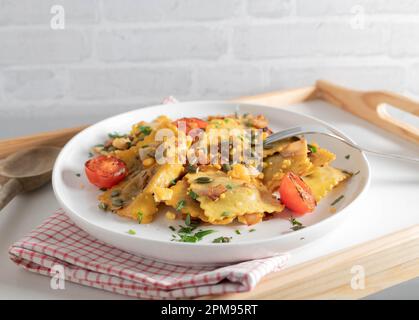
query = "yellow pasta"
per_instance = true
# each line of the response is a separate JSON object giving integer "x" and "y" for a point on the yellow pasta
{"x": 211, "y": 191}
{"x": 279, "y": 164}
{"x": 324, "y": 179}
{"x": 240, "y": 197}
{"x": 321, "y": 157}
{"x": 180, "y": 194}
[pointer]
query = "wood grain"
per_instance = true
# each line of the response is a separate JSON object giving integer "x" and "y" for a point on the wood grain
{"x": 370, "y": 106}
{"x": 386, "y": 261}
{"x": 56, "y": 138}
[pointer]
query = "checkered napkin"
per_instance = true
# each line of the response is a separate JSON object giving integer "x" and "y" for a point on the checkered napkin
{"x": 88, "y": 261}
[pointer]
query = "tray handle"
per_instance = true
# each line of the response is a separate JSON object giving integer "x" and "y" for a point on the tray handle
{"x": 370, "y": 105}
{"x": 57, "y": 138}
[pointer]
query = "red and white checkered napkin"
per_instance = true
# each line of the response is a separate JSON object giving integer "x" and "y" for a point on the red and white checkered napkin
{"x": 88, "y": 261}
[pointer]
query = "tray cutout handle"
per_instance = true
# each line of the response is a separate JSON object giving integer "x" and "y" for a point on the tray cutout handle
{"x": 370, "y": 105}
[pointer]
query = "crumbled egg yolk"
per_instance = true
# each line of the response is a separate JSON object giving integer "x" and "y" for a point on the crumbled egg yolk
{"x": 170, "y": 215}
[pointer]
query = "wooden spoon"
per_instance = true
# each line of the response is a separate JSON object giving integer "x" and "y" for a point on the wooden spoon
{"x": 27, "y": 170}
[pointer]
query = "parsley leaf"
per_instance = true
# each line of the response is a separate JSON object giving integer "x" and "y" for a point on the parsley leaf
{"x": 139, "y": 216}
{"x": 115, "y": 135}
{"x": 188, "y": 219}
{"x": 203, "y": 233}
{"x": 193, "y": 195}
{"x": 312, "y": 148}
{"x": 222, "y": 240}
{"x": 180, "y": 205}
{"x": 146, "y": 130}
{"x": 296, "y": 225}
{"x": 337, "y": 200}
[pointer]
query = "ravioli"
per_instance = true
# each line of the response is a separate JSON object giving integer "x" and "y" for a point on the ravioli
{"x": 276, "y": 147}
{"x": 277, "y": 166}
{"x": 211, "y": 191}
{"x": 321, "y": 157}
{"x": 324, "y": 179}
{"x": 180, "y": 193}
{"x": 240, "y": 198}
{"x": 163, "y": 176}
{"x": 142, "y": 208}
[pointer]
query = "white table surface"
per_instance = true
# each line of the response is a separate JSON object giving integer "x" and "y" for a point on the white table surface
{"x": 390, "y": 205}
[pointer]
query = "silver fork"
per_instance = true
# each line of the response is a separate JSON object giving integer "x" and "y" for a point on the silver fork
{"x": 310, "y": 129}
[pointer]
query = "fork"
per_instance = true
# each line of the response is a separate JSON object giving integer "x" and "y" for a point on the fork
{"x": 317, "y": 129}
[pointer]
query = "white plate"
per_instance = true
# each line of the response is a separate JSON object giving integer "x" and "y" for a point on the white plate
{"x": 153, "y": 240}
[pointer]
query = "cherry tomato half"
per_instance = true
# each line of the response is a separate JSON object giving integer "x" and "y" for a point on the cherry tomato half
{"x": 105, "y": 171}
{"x": 296, "y": 195}
{"x": 192, "y": 123}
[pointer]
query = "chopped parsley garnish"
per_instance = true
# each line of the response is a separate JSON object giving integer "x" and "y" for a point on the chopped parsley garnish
{"x": 173, "y": 182}
{"x": 337, "y": 200}
{"x": 347, "y": 156}
{"x": 252, "y": 230}
{"x": 145, "y": 130}
{"x": 102, "y": 206}
{"x": 115, "y": 135}
{"x": 139, "y": 217}
{"x": 187, "y": 238}
{"x": 203, "y": 233}
{"x": 188, "y": 219}
{"x": 237, "y": 231}
{"x": 183, "y": 229}
{"x": 130, "y": 231}
{"x": 222, "y": 240}
{"x": 229, "y": 186}
{"x": 296, "y": 225}
{"x": 193, "y": 195}
{"x": 184, "y": 234}
{"x": 313, "y": 149}
{"x": 77, "y": 174}
{"x": 225, "y": 214}
{"x": 180, "y": 205}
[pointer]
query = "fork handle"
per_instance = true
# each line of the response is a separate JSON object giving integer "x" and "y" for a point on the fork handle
{"x": 369, "y": 105}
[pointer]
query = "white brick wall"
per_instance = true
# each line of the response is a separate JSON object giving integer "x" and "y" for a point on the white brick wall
{"x": 116, "y": 55}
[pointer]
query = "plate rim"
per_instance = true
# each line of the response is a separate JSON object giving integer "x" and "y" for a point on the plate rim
{"x": 338, "y": 215}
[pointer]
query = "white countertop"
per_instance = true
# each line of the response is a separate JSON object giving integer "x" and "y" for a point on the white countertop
{"x": 390, "y": 205}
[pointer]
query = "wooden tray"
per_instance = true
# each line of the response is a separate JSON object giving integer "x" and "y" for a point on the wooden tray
{"x": 329, "y": 276}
